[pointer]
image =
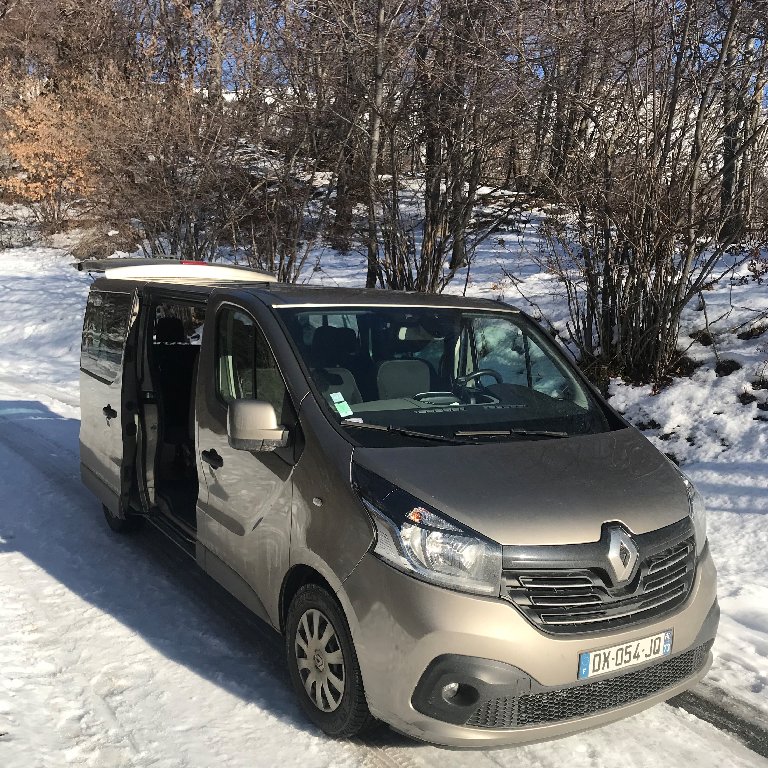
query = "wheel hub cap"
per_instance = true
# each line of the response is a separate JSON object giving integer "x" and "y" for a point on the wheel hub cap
{"x": 320, "y": 660}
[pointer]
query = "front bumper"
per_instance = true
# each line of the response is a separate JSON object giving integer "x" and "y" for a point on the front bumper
{"x": 412, "y": 637}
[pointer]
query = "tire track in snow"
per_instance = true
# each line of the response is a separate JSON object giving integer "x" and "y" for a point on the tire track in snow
{"x": 40, "y": 666}
{"x": 743, "y": 721}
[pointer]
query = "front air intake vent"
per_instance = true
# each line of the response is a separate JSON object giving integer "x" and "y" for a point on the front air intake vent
{"x": 561, "y": 704}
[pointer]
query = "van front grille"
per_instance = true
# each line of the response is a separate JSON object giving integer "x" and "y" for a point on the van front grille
{"x": 572, "y": 600}
{"x": 589, "y": 698}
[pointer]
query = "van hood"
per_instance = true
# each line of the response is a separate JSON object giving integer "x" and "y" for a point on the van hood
{"x": 547, "y": 491}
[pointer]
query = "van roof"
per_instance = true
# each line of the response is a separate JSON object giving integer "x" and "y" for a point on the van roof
{"x": 182, "y": 278}
{"x": 286, "y": 295}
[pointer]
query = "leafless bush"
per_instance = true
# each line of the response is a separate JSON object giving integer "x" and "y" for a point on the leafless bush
{"x": 269, "y": 128}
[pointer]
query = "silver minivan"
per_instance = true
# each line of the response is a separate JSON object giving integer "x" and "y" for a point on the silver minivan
{"x": 452, "y": 530}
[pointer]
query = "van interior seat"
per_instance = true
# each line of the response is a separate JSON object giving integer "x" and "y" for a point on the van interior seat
{"x": 403, "y": 378}
{"x": 334, "y": 356}
{"x": 176, "y": 361}
{"x": 169, "y": 330}
{"x": 334, "y": 347}
{"x": 339, "y": 380}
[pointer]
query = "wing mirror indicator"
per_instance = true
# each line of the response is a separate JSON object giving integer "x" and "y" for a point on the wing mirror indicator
{"x": 252, "y": 426}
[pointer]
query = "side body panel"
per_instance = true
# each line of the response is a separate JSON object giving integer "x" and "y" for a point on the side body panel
{"x": 101, "y": 439}
{"x": 107, "y": 402}
{"x": 331, "y": 530}
{"x": 264, "y": 513}
{"x": 244, "y": 506}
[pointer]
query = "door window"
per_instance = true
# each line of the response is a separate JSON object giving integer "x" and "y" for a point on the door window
{"x": 245, "y": 365}
{"x": 105, "y": 328}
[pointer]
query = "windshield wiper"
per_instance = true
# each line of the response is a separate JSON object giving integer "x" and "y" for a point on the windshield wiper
{"x": 509, "y": 433}
{"x": 403, "y": 431}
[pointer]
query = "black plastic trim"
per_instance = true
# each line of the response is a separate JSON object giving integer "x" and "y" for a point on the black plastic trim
{"x": 490, "y": 679}
{"x": 501, "y": 686}
{"x": 592, "y": 554}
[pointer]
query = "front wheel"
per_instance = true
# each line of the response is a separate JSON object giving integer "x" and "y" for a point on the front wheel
{"x": 323, "y": 664}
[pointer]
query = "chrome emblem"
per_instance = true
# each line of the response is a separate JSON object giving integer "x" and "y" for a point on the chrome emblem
{"x": 622, "y": 555}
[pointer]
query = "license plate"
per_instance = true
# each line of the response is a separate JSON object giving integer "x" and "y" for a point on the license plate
{"x": 595, "y": 663}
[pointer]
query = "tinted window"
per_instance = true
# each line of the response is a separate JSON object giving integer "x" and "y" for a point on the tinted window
{"x": 245, "y": 365}
{"x": 105, "y": 328}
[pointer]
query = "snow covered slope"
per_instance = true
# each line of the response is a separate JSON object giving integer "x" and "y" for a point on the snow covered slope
{"x": 117, "y": 652}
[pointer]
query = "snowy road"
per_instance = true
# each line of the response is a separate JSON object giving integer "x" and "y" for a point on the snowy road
{"x": 118, "y": 652}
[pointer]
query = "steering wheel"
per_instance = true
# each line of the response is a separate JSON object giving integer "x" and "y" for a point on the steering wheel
{"x": 463, "y": 381}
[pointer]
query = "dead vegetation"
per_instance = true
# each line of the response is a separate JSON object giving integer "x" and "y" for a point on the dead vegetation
{"x": 272, "y": 129}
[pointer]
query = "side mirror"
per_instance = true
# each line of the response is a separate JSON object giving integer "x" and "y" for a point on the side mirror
{"x": 252, "y": 426}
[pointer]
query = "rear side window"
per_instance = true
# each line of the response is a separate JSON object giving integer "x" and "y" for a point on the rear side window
{"x": 105, "y": 329}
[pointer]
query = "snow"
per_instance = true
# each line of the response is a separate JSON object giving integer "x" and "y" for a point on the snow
{"x": 115, "y": 651}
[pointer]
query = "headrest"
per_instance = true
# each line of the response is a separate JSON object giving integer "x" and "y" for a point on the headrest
{"x": 169, "y": 330}
{"x": 414, "y": 333}
{"x": 332, "y": 346}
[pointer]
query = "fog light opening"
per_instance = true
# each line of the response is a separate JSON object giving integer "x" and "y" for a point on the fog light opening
{"x": 460, "y": 694}
{"x": 450, "y": 691}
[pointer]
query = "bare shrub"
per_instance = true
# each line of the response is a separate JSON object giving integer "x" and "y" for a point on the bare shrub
{"x": 49, "y": 158}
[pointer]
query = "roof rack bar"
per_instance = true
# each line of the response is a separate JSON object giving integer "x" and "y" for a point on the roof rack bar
{"x": 172, "y": 269}
{"x": 102, "y": 265}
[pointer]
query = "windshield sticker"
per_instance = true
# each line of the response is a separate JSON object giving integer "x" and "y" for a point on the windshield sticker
{"x": 341, "y": 404}
{"x": 343, "y": 408}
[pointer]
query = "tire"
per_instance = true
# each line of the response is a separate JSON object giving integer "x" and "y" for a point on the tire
{"x": 325, "y": 675}
{"x": 122, "y": 525}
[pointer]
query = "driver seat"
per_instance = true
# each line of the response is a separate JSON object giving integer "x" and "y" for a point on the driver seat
{"x": 402, "y": 378}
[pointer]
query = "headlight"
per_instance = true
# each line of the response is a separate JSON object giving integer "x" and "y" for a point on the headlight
{"x": 698, "y": 514}
{"x": 415, "y": 538}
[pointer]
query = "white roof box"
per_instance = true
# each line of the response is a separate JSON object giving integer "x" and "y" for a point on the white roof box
{"x": 171, "y": 270}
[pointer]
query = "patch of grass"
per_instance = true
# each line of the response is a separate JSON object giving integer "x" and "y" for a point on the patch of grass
{"x": 727, "y": 367}
{"x": 703, "y": 337}
{"x": 754, "y": 332}
{"x": 685, "y": 367}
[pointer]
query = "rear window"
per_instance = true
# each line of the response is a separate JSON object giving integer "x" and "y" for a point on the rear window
{"x": 105, "y": 328}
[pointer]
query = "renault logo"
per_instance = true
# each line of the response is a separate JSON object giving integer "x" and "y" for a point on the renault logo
{"x": 622, "y": 555}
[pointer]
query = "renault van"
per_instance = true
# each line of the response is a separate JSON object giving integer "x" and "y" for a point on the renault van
{"x": 454, "y": 533}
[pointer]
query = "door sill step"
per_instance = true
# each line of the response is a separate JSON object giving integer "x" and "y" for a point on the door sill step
{"x": 179, "y": 533}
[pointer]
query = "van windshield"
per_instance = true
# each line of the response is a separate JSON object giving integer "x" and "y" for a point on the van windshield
{"x": 440, "y": 373}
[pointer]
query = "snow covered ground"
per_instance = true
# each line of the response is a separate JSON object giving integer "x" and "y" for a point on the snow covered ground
{"x": 116, "y": 652}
